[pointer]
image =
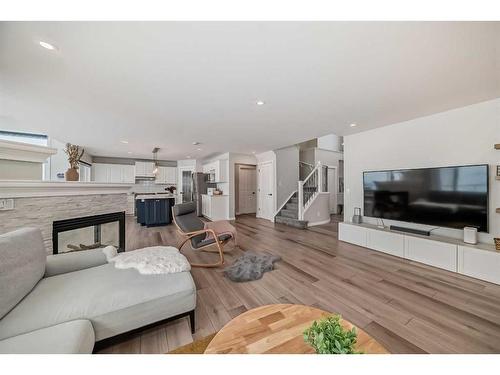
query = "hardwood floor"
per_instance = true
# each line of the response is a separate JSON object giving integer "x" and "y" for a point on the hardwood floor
{"x": 407, "y": 306}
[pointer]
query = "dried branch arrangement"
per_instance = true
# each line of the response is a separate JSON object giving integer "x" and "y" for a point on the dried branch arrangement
{"x": 74, "y": 154}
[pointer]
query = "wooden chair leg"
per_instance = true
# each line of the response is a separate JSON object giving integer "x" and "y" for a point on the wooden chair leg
{"x": 209, "y": 265}
{"x": 213, "y": 265}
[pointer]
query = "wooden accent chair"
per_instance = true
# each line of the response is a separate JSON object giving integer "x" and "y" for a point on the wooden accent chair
{"x": 192, "y": 228}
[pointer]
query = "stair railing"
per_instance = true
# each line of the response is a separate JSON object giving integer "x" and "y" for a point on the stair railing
{"x": 305, "y": 169}
{"x": 309, "y": 188}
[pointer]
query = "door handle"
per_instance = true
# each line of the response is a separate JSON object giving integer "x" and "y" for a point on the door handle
{"x": 269, "y": 194}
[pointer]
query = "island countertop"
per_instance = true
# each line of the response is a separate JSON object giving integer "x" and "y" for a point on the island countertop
{"x": 155, "y": 196}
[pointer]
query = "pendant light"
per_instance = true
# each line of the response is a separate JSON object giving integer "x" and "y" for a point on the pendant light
{"x": 155, "y": 160}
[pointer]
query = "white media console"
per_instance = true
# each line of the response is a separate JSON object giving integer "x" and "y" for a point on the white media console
{"x": 481, "y": 261}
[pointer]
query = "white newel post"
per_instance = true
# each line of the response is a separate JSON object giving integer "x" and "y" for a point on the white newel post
{"x": 300, "y": 192}
{"x": 320, "y": 177}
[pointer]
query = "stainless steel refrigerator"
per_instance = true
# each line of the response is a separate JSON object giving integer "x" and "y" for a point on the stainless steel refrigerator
{"x": 200, "y": 184}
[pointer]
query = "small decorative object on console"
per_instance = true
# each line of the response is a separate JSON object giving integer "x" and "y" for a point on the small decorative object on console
{"x": 74, "y": 155}
{"x": 470, "y": 235}
{"x": 498, "y": 170}
{"x": 497, "y": 243}
{"x": 356, "y": 219}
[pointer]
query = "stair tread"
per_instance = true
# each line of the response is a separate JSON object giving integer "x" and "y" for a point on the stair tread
{"x": 301, "y": 224}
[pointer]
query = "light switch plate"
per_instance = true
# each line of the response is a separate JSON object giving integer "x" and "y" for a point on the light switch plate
{"x": 6, "y": 204}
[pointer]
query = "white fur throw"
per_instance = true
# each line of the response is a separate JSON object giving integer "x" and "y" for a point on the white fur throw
{"x": 153, "y": 260}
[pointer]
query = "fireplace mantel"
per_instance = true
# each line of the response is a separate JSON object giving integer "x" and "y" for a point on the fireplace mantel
{"x": 26, "y": 189}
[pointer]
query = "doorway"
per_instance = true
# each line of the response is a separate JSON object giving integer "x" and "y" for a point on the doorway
{"x": 265, "y": 190}
{"x": 245, "y": 189}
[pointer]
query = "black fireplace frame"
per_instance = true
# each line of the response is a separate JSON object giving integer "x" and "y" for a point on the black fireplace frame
{"x": 87, "y": 221}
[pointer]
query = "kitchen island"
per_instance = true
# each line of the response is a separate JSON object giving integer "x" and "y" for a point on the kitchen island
{"x": 154, "y": 209}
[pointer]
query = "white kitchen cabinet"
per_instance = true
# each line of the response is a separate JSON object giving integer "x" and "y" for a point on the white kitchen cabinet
{"x": 166, "y": 175}
{"x": 113, "y": 173}
{"x": 128, "y": 174}
{"x": 171, "y": 175}
{"x": 144, "y": 168}
{"x": 100, "y": 172}
{"x": 215, "y": 207}
{"x": 217, "y": 168}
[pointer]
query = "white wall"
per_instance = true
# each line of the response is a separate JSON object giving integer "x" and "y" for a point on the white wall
{"x": 457, "y": 137}
{"x": 287, "y": 172}
{"x": 264, "y": 157}
{"x": 20, "y": 170}
{"x": 330, "y": 142}
{"x": 317, "y": 213}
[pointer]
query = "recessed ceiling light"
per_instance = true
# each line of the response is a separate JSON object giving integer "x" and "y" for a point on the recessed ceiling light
{"x": 260, "y": 102}
{"x": 129, "y": 152}
{"x": 47, "y": 45}
{"x": 199, "y": 149}
{"x": 123, "y": 141}
{"x": 195, "y": 143}
{"x": 253, "y": 152}
{"x": 189, "y": 156}
{"x": 353, "y": 125}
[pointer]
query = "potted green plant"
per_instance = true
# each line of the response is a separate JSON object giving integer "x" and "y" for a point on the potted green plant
{"x": 327, "y": 336}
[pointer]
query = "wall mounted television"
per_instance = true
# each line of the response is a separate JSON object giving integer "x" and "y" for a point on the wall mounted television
{"x": 451, "y": 197}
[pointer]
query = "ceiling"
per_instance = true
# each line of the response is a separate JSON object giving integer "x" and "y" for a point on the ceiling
{"x": 168, "y": 84}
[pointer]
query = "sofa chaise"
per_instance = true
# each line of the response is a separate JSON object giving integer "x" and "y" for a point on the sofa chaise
{"x": 68, "y": 303}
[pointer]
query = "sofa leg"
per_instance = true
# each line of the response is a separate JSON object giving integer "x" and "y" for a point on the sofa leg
{"x": 191, "y": 321}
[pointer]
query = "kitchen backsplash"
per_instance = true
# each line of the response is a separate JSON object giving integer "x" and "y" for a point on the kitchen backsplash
{"x": 148, "y": 187}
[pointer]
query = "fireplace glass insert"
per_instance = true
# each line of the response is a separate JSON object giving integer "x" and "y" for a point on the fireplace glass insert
{"x": 89, "y": 232}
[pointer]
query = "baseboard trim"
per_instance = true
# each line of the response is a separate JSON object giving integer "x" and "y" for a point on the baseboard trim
{"x": 309, "y": 224}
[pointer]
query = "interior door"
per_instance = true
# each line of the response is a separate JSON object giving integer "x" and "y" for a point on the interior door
{"x": 247, "y": 189}
{"x": 266, "y": 191}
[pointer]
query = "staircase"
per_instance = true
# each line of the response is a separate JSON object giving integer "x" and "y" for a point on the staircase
{"x": 292, "y": 212}
{"x": 289, "y": 214}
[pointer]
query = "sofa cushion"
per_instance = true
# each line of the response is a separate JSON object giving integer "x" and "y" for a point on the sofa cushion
{"x": 114, "y": 300}
{"x": 74, "y": 261}
{"x": 22, "y": 265}
{"x": 75, "y": 337}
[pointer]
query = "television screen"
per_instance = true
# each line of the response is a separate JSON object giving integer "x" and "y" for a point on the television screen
{"x": 452, "y": 197}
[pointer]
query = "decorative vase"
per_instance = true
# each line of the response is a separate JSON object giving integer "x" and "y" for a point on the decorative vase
{"x": 72, "y": 174}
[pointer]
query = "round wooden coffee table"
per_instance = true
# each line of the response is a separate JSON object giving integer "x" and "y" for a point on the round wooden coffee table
{"x": 278, "y": 329}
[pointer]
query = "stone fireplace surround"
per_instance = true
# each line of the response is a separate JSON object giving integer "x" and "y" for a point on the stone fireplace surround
{"x": 38, "y": 203}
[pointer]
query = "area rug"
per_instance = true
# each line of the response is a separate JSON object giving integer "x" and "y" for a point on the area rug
{"x": 250, "y": 266}
{"x": 196, "y": 347}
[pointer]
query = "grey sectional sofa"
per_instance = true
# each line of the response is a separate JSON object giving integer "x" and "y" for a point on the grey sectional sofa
{"x": 66, "y": 303}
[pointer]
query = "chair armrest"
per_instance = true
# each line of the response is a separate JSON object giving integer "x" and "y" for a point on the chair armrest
{"x": 74, "y": 261}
